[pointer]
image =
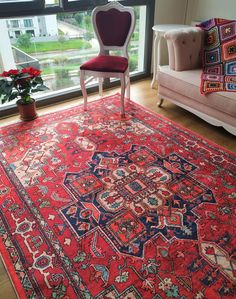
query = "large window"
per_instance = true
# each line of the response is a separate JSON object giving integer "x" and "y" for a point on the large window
{"x": 60, "y": 41}
{"x": 28, "y": 22}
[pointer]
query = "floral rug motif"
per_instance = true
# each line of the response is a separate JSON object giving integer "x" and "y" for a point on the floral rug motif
{"x": 219, "y": 56}
{"x": 92, "y": 206}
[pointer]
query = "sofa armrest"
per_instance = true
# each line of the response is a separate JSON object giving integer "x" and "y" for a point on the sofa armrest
{"x": 185, "y": 48}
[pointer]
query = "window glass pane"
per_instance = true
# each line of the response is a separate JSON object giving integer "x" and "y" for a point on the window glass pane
{"x": 14, "y": 23}
{"x": 137, "y": 43}
{"x": 51, "y": 2}
{"x": 58, "y": 44}
{"x": 28, "y": 22}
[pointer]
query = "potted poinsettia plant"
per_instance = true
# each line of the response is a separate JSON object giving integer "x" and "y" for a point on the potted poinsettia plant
{"x": 20, "y": 84}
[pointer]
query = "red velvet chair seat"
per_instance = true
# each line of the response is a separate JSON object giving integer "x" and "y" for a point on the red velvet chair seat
{"x": 103, "y": 63}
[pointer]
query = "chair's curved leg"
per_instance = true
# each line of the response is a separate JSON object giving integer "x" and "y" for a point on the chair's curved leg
{"x": 83, "y": 88}
{"x": 122, "y": 96}
{"x": 128, "y": 87}
{"x": 160, "y": 102}
{"x": 100, "y": 81}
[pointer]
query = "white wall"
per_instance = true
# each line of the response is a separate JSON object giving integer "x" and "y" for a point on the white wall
{"x": 6, "y": 56}
{"x": 173, "y": 12}
{"x": 207, "y": 9}
{"x": 51, "y": 25}
{"x": 36, "y": 25}
{"x": 170, "y": 11}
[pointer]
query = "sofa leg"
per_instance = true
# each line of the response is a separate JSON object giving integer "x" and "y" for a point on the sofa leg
{"x": 160, "y": 102}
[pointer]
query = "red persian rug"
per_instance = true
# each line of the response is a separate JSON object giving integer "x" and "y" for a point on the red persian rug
{"x": 96, "y": 207}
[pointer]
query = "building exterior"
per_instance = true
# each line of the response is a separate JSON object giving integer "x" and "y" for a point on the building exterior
{"x": 36, "y": 26}
{"x": 6, "y": 56}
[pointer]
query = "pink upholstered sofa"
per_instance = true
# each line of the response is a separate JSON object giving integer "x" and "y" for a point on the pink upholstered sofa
{"x": 180, "y": 81}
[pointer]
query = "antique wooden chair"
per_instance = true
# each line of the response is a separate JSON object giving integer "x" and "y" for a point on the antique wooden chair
{"x": 113, "y": 25}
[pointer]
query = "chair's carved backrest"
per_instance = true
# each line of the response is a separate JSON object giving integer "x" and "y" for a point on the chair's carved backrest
{"x": 113, "y": 25}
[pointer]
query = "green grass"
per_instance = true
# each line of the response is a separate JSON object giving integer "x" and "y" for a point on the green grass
{"x": 50, "y": 70}
{"x": 57, "y": 46}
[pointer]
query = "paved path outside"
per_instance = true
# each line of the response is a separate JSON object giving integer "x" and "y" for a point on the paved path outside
{"x": 70, "y": 30}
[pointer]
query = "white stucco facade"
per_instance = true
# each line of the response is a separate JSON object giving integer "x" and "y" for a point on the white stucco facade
{"x": 51, "y": 25}
{"x": 6, "y": 57}
{"x": 36, "y": 26}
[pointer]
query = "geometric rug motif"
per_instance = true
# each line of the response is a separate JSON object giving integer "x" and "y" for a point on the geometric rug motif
{"x": 92, "y": 206}
{"x": 134, "y": 195}
{"x": 219, "y": 56}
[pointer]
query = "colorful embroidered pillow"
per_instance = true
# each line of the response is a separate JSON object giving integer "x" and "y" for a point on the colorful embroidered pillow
{"x": 219, "y": 56}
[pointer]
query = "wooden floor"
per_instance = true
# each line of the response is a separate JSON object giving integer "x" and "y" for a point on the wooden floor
{"x": 144, "y": 95}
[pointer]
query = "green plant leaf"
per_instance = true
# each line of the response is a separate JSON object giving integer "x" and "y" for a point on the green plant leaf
{"x": 20, "y": 85}
{"x": 13, "y": 95}
{"x": 5, "y": 99}
{"x": 6, "y": 87}
{"x": 38, "y": 80}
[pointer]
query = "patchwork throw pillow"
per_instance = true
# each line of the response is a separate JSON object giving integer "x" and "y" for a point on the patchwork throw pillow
{"x": 219, "y": 56}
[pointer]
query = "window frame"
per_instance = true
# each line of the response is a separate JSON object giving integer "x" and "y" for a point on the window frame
{"x": 71, "y": 6}
{"x": 20, "y": 6}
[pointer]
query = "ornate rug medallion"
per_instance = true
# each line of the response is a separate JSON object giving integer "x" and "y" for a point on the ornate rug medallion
{"x": 95, "y": 207}
{"x": 134, "y": 195}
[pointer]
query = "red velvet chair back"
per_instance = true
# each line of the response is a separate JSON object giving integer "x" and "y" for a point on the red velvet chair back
{"x": 113, "y": 26}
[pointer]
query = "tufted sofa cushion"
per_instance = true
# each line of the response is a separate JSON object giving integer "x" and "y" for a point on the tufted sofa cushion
{"x": 184, "y": 48}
